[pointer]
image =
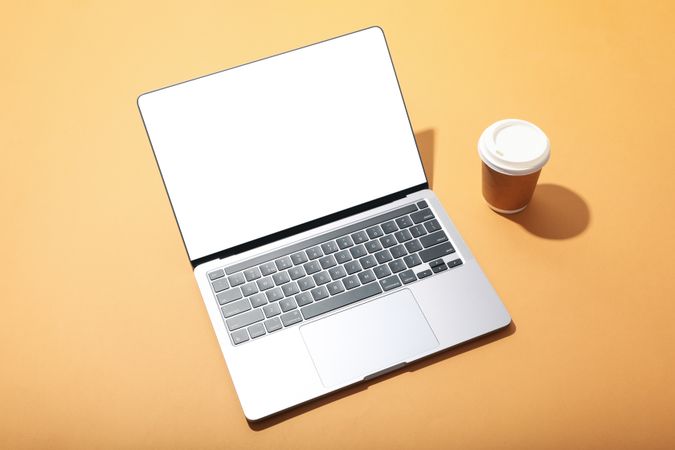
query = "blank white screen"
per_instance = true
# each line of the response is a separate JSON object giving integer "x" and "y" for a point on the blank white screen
{"x": 276, "y": 143}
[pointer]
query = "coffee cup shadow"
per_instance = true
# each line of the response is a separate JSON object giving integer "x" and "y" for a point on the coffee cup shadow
{"x": 555, "y": 212}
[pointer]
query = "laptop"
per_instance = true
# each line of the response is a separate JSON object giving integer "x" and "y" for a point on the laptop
{"x": 321, "y": 254}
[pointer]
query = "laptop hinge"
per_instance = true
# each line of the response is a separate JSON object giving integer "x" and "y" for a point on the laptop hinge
{"x": 308, "y": 225}
{"x": 384, "y": 371}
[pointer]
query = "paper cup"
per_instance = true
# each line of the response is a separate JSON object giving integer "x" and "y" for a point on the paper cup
{"x": 513, "y": 152}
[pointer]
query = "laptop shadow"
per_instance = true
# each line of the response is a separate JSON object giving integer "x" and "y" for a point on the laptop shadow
{"x": 425, "y": 144}
{"x": 351, "y": 390}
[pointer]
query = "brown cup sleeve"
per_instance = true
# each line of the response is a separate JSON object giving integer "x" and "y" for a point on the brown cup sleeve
{"x": 508, "y": 192}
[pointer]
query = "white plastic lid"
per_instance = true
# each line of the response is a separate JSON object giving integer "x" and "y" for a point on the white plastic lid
{"x": 514, "y": 147}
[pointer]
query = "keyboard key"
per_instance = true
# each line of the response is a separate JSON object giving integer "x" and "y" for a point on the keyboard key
{"x": 383, "y": 256}
{"x": 327, "y": 261}
{"x": 422, "y": 204}
{"x": 335, "y": 287}
{"x": 340, "y": 300}
{"x": 290, "y": 318}
{"x": 404, "y": 222}
{"x": 358, "y": 251}
{"x": 306, "y": 283}
{"x": 271, "y": 310}
{"x": 359, "y": 237}
{"x": 413, "y": 246}
{"x": 272, "y": 324}
{"x": 236, "y": 279}
{"x": 319, "y": 293}
{"x": 455, "y": 263}
{"x": 418, "y": 230}
{"x": 351, "y": 282}
{"x": 432, "y": 226}
{"x": 343, "y": 256}
{"x": 436, "y": 252}
{"x": 412, "y": 261}
{"x": 299, "y": 258}
{"x": 373, "y": 246}
{"x": 283, "y": 263}
{"x": 268, "y": 268}
{"x": 216, "y": 274}
{"x": 244, "y": 320}
{"x": 329, "y": 247}
{"x": 439, "y": 268}
{"x": 368, "y": 262}
{"x": 352, "y": 267}
{"x": 290, "y": 289}
{"x": 337, "y": 272}
{"x": 434, "y": 238}
{"x": 321, "y": 278}
{"x": 398, "y": 251}
{"x": 344, "y": 242}
{"x": 397, "y": 266}
{"x": 382, "y": 271}
{"x": 220, "y": 285}
{"x": 436, "y": 262}
{"x": 388, "y": 241}
{"x": 256, "y": 330}
{"x": 374, "y": 232}
{"x": 249, "y": 289}
{"x": 423, "y": 274}
{"x": 296, "y": 272}
{"x": 314, "y": 252}
{"x": 367, "y": 276}
{"x": 312, "y": 267}
{"x": 403, "y": 236}
{"x": 390, "y": 283}
{"x": 407, "y": 277}
{"x": 287, "y": 304}
{"x": 281, "y": 278}
{"x": 258, "y": 300}
{"x": 229, "y": 296}
{"x": 239, "y": 336}
{"x": 422, "y": 216}
{"x": 234, "y": 308}
{"x": 252, "y": 274}
{"x": 274, "y": 294}
{"x": 304, "y": 298}
{"x": 389, "y": 227}
{"x": 265, "y": 283}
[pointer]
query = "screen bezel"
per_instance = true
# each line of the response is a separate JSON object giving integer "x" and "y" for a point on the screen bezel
{"x": 282, "y": 234}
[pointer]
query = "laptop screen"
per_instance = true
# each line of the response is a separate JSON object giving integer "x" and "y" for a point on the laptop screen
{"x": 276, "y": 143}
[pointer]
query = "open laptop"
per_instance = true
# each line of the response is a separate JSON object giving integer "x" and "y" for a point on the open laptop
{"x": 321, "y": 254}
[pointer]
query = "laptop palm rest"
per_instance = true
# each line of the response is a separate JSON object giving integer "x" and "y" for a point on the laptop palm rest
{"x": 369, "y": 338}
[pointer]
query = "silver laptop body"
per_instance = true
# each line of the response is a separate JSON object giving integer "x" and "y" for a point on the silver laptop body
{"x": 322, "y": 257}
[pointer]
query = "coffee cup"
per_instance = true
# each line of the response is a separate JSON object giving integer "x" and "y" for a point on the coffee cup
{"x": 513, "y": 152}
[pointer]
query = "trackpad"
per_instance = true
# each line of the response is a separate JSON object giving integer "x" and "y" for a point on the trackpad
{"x": 360, "y": 341}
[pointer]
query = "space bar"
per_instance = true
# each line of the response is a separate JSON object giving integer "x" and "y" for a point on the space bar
{"x": 338, "y": 301}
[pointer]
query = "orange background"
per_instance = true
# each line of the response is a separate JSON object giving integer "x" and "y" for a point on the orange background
{"x": 105, "y": 342}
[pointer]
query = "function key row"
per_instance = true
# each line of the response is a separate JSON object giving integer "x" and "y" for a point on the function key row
{"x": 355, "y": 230}
{"x": 429, "y": 234}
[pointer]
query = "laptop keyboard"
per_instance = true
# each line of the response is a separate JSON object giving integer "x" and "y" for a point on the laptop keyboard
{"x": 330, "y": 271}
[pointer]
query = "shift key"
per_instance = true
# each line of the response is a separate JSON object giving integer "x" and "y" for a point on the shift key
{"x": 246, "y": 319}
{"x": 436, "y": 252}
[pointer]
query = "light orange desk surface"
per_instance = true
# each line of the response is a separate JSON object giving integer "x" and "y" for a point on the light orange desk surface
{"x": 105, "y": 342}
